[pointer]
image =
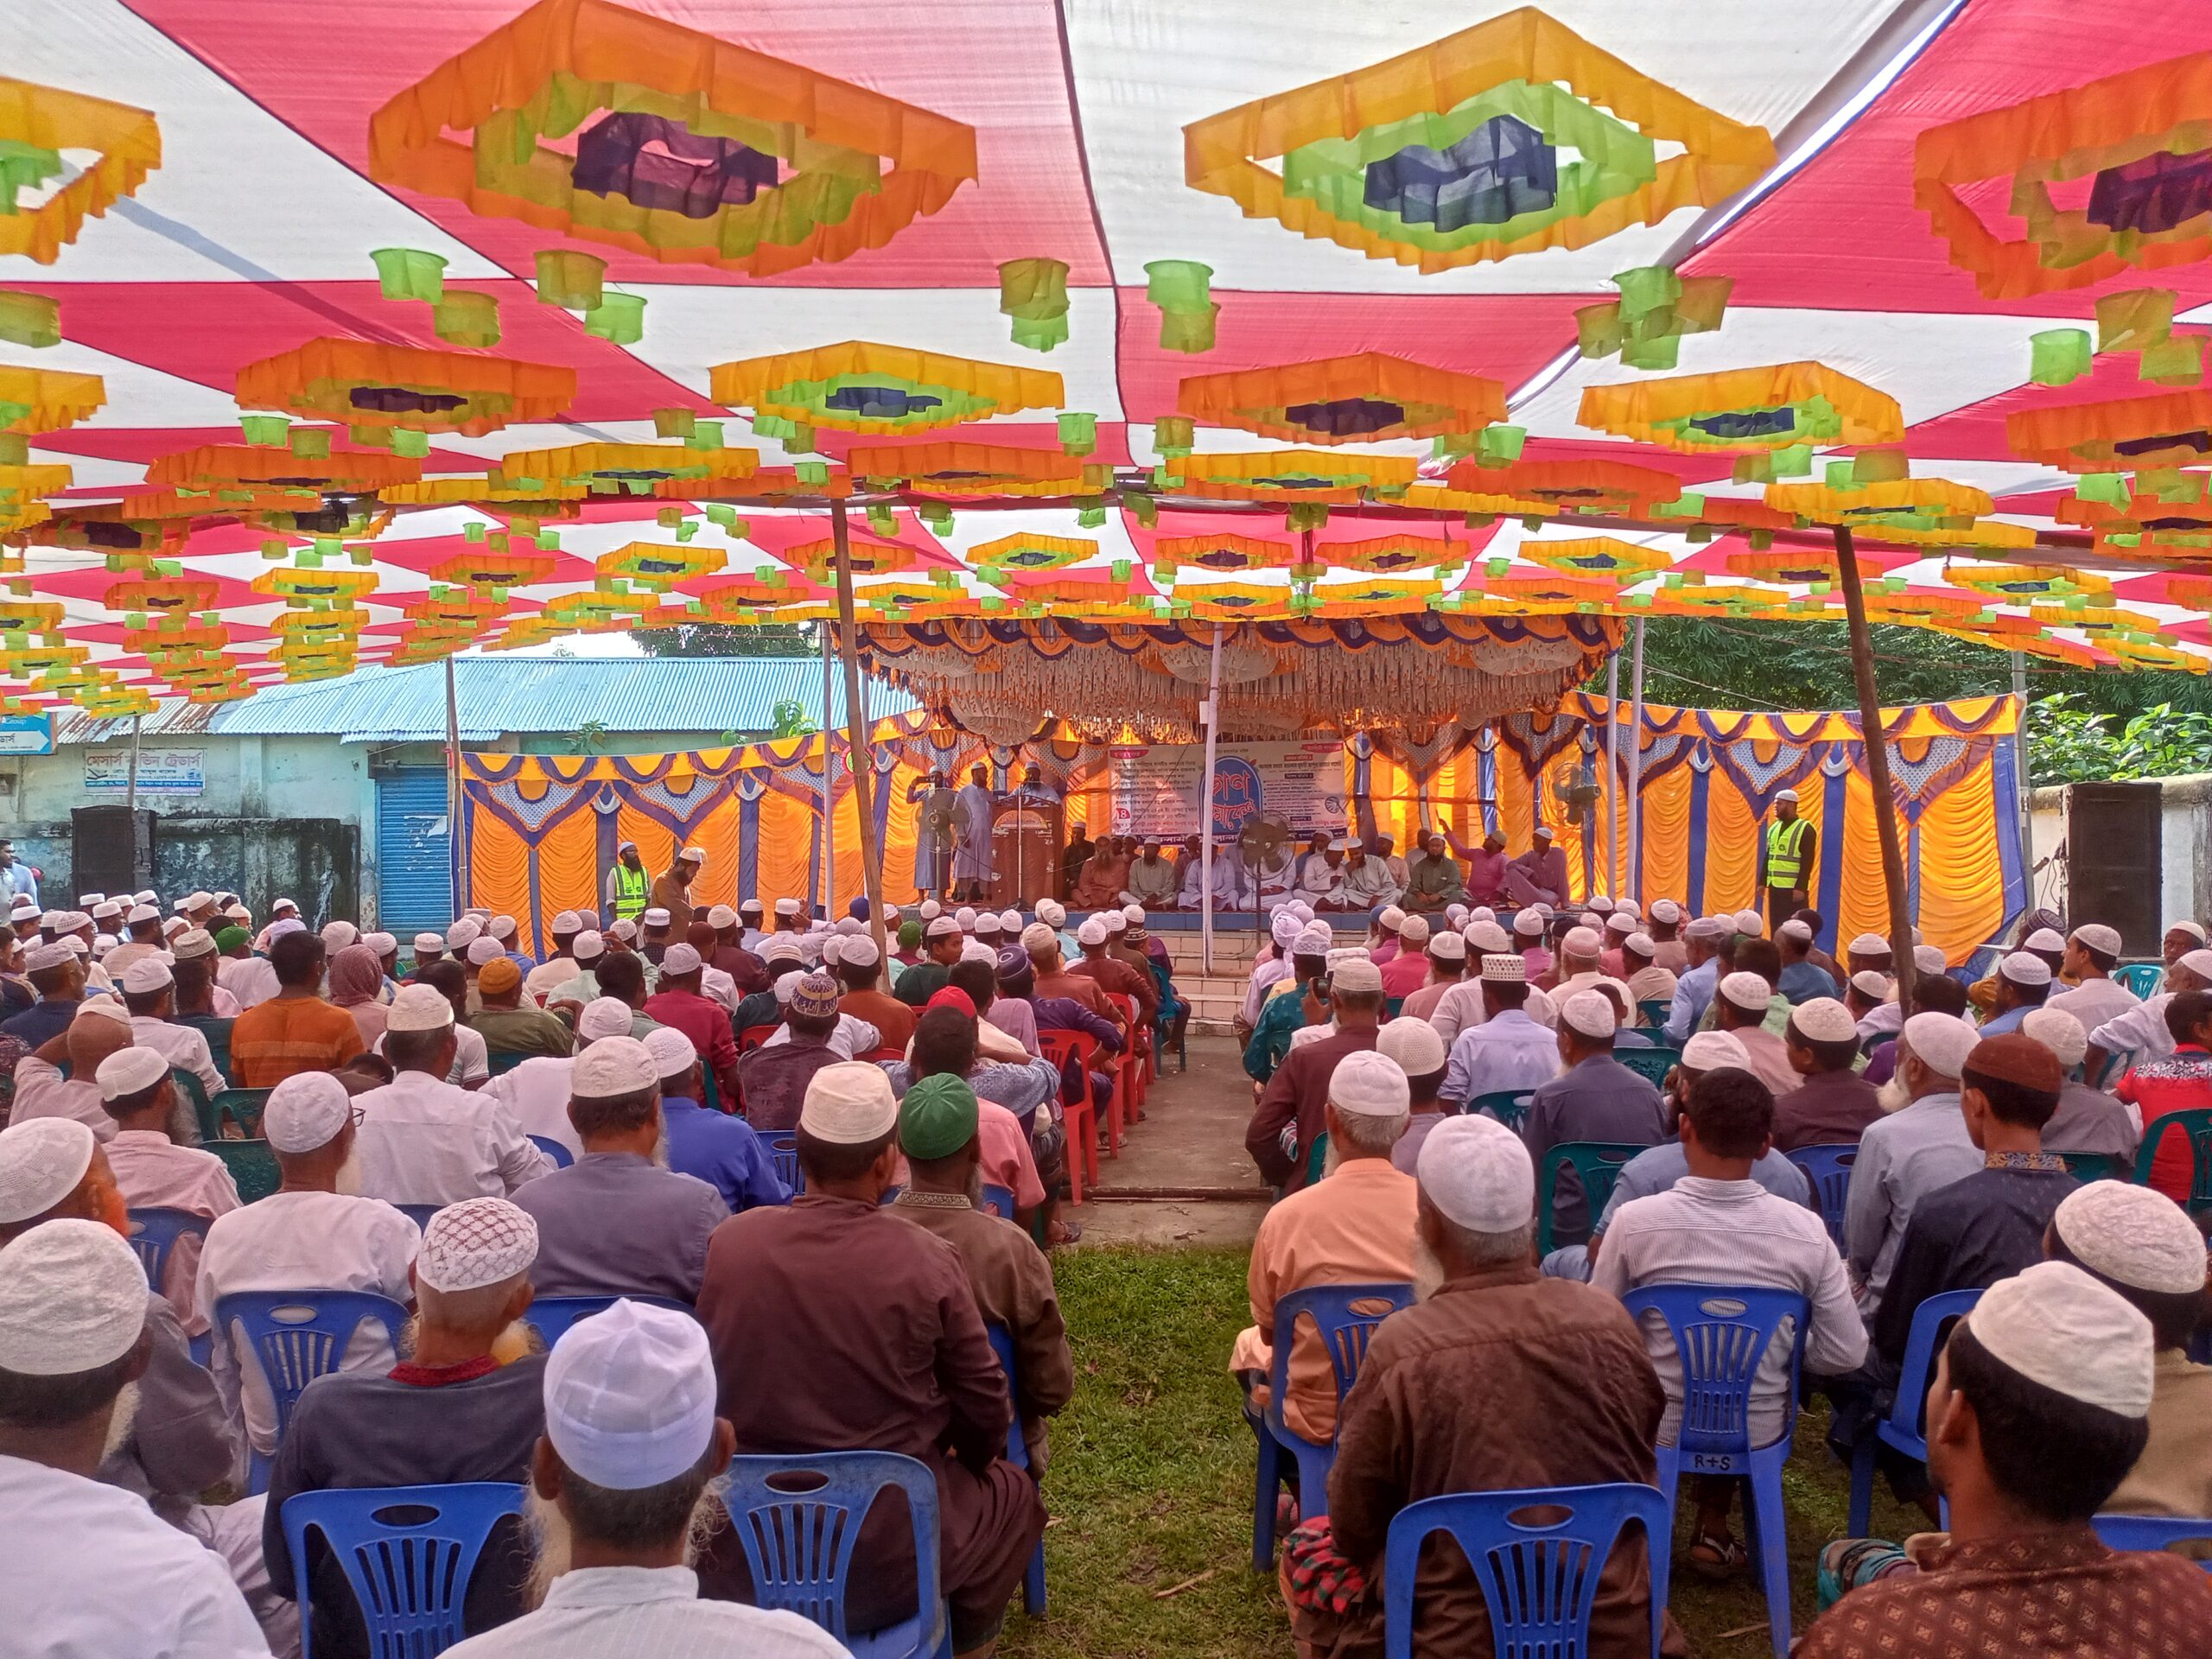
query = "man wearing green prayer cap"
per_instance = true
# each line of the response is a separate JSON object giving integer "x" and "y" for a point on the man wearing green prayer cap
{"x": 1013, "y": 1282}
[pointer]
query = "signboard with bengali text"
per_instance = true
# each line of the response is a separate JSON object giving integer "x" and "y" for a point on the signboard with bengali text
{"x": 161, "y": 771}
{"x": 1156, "y": 787}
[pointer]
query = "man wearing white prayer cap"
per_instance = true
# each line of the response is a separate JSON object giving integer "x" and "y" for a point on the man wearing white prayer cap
{"x": 2038, "y": 1409}
{"x": 467, "y": 1404}
{"x": 537, "y": 1089}
{"x": 618, "y": 1222}
{"x": 1496, "y": 1045}
{"x": 1444, "y": 966}
{"x": 154, "y": 1171}
{"x": 149, "y": 988}
{"x": 2143, "y": 1031}
{"x": 2024, "y": 982}
{"x": 73, "y": 1336}
{"x": 783, "y": 1301}
{"x": 1831, "y": 1104}
{"x": 1464, "y": 1392}
{"x": 1282, "y": 1013}
{"x": 2087, "y": 1120}
{"x": 2093, "y": 951}
{"x": 1356, "y": 1226}
{"x": 1291, "y": 1115}
{"x": 1920, "y": 1146}
{"x": 720, "y": 1148}
{"x": 1272, "y": 969}
{"x": 1595, "y": 1097}
{"x": 1740, "y": 1005}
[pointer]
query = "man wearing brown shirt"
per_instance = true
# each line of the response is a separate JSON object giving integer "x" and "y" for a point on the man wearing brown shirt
{"x": 672, "y": 891}
{"x": 1294, "y": 1107}
{"x": 860, "y": 971}
{"x": 1832, "y": 1105}
{"x": 1053, "y": 980}
{"x": 1116, "y": 978}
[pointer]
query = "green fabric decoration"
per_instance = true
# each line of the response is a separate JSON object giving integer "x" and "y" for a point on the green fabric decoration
{"x": 2172, "y": 485}
{"x": 724, "y": 516}
{"x": 2110, "y": 488}
{"x": 1880, "y": 467}
{"x": 1498, "y": 445}
{"x": 548, "y": 541}
{"x": 1662, "y": 351}
{"x": 1143, "y": 509}
{"x": 1078, "y": 433}
{"x": 474, "y": 530}
{"x": 30, "y": 319}
{"x": 570, "y": 280}
{"x": 414, "y": 445}
{"x": 23, "y": 167}
{"x": 618, "y": 318}
{"x": 1837, "y": 475}
{"x": 1754, "y": 468}
{"x": 673, "y": 423}
{"x": 935, "y": 516}
{"x": 14, "y": 449}
{"x": 1645, "y": 289}
{"x": 309, "y": 442}
{"x": 1174, "y": 436}
{"x": 705, "y": 435}
{"x": 410, "y": 274}
{"x": 881, "y": 520}
{"x": 265, "y": 431}
{"x": 669, "y": 518}
{"x": 1090, "y": 518}
{"x": 2134, "y": 318}
{"x": 2177, "y": 360}
{"x": 1183, "y": 289}
{"x": 1598, "y": 329}
{"x": 1793, "y": 460}
{"x": 811, "y": 472}
{"x": 370, "y": 437}
{"x": 1307, "y": 515}
{"x": 1034, "y": 293}
{"x": 2058, "y": 357}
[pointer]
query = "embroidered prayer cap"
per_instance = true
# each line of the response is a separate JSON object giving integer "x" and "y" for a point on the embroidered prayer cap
{"x": 1315, "y": 940}
{"x": 1868, "y": 945}
{"x": 2054, "y": 1324}
{"x": 2024, "y": 969}
{"x": 655, "y": 917}
{"x": 2195, "y": 930}
{"x": 1708, "y": 929}
{"x": 2105, "y": 941}
{"x": 748, "y": 907}
{"x": 671, "y": 1051}
{"x": 1052, "y": 912}
{"x": 193, "y": 943}
{"x": 1801, "y": 932}
{"x": 1590, "y": 1013}
{"x": 2134, "y": 1235}
{"x": 1870, "y": 983}
{"x": 1010, "y": 920}
{"x": 499, "y": 977}
{"x": 1528, "y": 925}
{"x": 41, "y": 1162}
{"x": 966, "y": 917}
{"x": 849, "y": 1105}
{"x": 1134, "y": 915}
{"x": 1391, "y": 918}
{"x": 987, "y": 922}
{"x": 1478, "y": 1175}
{"x": 418, "y": 1007}
{"x": 476, "y": 1243}
{"x": 73, "y": 1299}
{"x": 603, "y": 1017}
{"x": 625, "y": 847}
{"x": 192, "y": 902}
{"x": 2043, "y": 938}
{"x": 1628, "y": 906}
{"x": 1929, "y": 959}
{"x": 937, "y": 1117}
{"x": 679, "y": 960}
{"x": 624, "y": 929}
{"x": 1504, "y": 967}
{"x": 721, "y": 916}
{"x": 1749, "y": 923}
{"x": 1301, "y": 909}
{"x": 1414, "y": 1045}
{"x": 305, "y": 1111}
{"x": 1788, "y": 795}
{"x": 1601, "y": 903}
{"x": 1093, "y": 932}
{"x": 130, "y": 1072}
{"x": 2059, "y": 1032}
{"x": 1448, "y": 946}
{"x": 630, "y": 1396}
{"x": 568, "y": 922}
{"x": 1940, "y": 1042}
{"x": 383, "y": 944}
{"x": 201, "y": 899}
{"x": 691, "y": 855}
{"x": 1824, "y": 1019}
{"x": 786, "y": 906}
{"x": 1666, "y": 910}
{"x": 1035, "y": 937}
{"x": 103, "y": 1008}
{"x": 1359, "y": 976}
{"x": 814, "y": 996}
{"x": 1455, "y": 915}
{"x": 1488, "y": 938}
{"x": 1336, "y": 844}
{"x": 146, "y": 975}
{"x": 860, "y": 952}
{"x": 1711, "y": 1050}
{"x": 1283, "y": 928}
{"x": 2198, "y": 962}
{"x": 174, "y": 926}
{"x": 1370, "y": 1084}
{"x": 611, "y": 1067}
{"x": 463, "y": 933}
{"x": 1746, "y": 991}
{"x": 1543, "y": 832}
{"x": 977, "y": 950}
{"x": 138, "y": 913}
{"x": 1413, "y": 932}
{"x": 430, "y": 944}
{"x": 1582, "y": 942}
{"x": 483, "y": 949}
{"x": 2013, "y": 1057}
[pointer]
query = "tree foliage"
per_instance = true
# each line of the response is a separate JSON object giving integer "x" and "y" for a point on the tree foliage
{"x": 2069, "y": 744}
{"x": 729, "y": 639}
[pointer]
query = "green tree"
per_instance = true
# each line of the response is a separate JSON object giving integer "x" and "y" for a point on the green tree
{"x": 729, "y": 639}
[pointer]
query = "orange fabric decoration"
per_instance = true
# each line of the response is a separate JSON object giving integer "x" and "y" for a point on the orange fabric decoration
{"x": 318, "y": 377}
{"x": 1290, "y": 475}
{"x": 2081, "y": 437}
{"x": 55, "y": 398}
{"x": 957, "y": 468}
{"x": 1591, "y": 485}
{"x": 46, "y": 118}
{"x": 1248, "y": 397}
{"x": 215, "y": 464}
{"x": 753, "y": 383}
{"x": 1636, "y": 409}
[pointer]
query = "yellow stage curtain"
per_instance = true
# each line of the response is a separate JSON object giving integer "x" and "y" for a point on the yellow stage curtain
{"x": 716, "y": 837}
{"x": 901, "y": 820}
{"x": 1730, "y": 848}
{"x": 845, "y": 820}
{"x": 567, "y": 875}
{"x": 789, "y": 833}
{"x": 1864, "y": 906}
{"x": 499, "y": 870}
{"x": 1961, "y": 878}
{"x": 1665, "y": 849}
{"x": 1516, "y": 802}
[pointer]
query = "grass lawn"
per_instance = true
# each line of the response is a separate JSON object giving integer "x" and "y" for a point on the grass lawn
{"x": 1151, "y": 1482}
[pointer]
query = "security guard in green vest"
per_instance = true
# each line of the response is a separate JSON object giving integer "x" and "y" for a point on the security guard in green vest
{"x": 627, "y": 884}
{"x": 1787, "y": 857}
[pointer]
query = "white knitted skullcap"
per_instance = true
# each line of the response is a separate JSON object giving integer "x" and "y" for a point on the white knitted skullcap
{"x": 589, "y": 945}
{"x": 630, "y": 1396}
{"x": 2198, "y": 962}
{"x": 1504, "y": 967}
{"x": 603, "y": 1017}
{"x": 73, "y": 1299}
{"x": 1590, "y": 1013}
{"x": 623, "y": 929}
{"x": 1369, "y": 1084}
{"x": 1414, "y": 931}
{"x": 1869, "y": 982}
{"x": 1824, "y": 1019}
{"x": 976, "y": 950}
{"x": 40, "y": 958}
{"x": 1868, "y": 945}
{"x": 987, "y": 921}
{"x": 1359, "y": 976}
{"x": 931, "y": 910}
{"x": 1486, "y": 936}
{"x": 2105, "y": 941}
{"x": 1282, "y": 927}
{"x": 103, "y": 1008}
{"x": 2024, "y": 969}
{"x": 2135, "y": 1234}
{"x": 1478, "y": 1175}
{"x": 786, "y": 906}
{"x": 476, "y": 1243}
{"x": 1312, "y": 941}
{"x": 2054, "y": 1324}
{"x": 1413, "y": 1044}
{"x": 657, "y": 917}
{"x": 484, "y": 949}
{"x": 691, "y": 855}
{"x": 1621, "y": 923}
{"x": 785, "y": 947}
{"x": 1035, "y": 937}
{"x": 1710, "y": 1051}
{"x": 1940, "y": 1042}
{"x": 1928, "y": 959}
{"x": 2195, "y": 930}
{"x": 721, "y": 916}
{"x": 679, "y": 960}
{"x": 1746, "y": 991}
{"x": 849, "y": 1104}
{"x": 860, "y": 952}
{"x": 2059, "y": 1032}
{"x": 1448, "y": 946}
{"x": 568, "y": 922}
{"x": 41, "y": 1162}
{"x": 672, "y": 1051}
{"x": 1708, "y": 929}
{"x": 383, "y": 944}
{"x": 966, "y": 917}
{"x": 1112, "y": 920}
{"x": 611, "y": 1067}
{"x": 1794, "y": 929}
{"x": 2045, "y": 938}
{"x": 1301, "y": 909}
{"x": 305, "y": 1111}
{"x": 1093, "y": 932}
{"x": 1456, "y": 915}
{"x": 430, "y": 944}
{"x": 146, "y": 975}
{"x": 1052, "y": 912}
{"x": 336, "y": 935}
{"x": 1528, "y": 925}
{"x": 463, "y": 933}
{"x": 1666, "y": 910}
{"x": 128, "y": 1071}
{"x": 1482, "y": 914}
{"x": 1390, "y": 917}
{"x": 192, "y": 942}
{"x": 1601, "y": 903}
{"x": 1748, "y": 921}
{"x": 418, "y": 1007}
{"x": 138, "y": 913}
{"x": 1640, "y": 944}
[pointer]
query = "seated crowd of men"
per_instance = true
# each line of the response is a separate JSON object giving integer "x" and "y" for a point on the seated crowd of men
{"x": 480, "y": 1128}
{"x": 1420, "y": 1097}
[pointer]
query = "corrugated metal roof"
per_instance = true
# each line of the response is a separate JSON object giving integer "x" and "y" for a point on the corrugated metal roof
{"x": 500, "y": 696}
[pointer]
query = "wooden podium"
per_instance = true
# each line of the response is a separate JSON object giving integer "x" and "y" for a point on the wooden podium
{"x": 1027, "y": 832}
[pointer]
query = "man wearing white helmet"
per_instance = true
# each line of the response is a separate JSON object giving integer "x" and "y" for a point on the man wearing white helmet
{"x": 422, "y": 1141}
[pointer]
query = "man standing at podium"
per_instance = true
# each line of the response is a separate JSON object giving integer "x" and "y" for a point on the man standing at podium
{"x": 971, "y": 826}
{"x": 1788, "y": 851}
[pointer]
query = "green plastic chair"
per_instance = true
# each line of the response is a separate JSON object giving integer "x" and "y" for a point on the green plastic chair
{"x": 1509, "y": 1106}
{"x": 2140, "y": 977}
{"x": 1652, "y": 1062}
{"x": 242, "y": 1106}
{"x": 2087, "y": 1167}
{"x": 2197, "y": 1126}
{"x": 1317, "y": 1159}
{"x": 188, "y": 1084}
{"x": 1597, "y": 1164}
{"x": 252, "y": 1167}
{"x": 1653, "y": 1011}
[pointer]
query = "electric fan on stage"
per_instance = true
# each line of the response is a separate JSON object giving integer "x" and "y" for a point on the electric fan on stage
{"x": 1579, "y": 790}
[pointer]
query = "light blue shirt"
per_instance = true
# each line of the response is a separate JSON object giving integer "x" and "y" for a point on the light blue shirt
{"x": 1510, "y": 1051}
{"x": 1901, "y": 1159}
{"x": 2010, "y": 1020}
{"x": 1692, "y": 995}
{"x": 1658, "y": 1169}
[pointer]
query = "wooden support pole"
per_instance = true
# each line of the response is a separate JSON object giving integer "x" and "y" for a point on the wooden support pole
{"x": 829, "y": 789}
{"x": 862, "y": 757}
{"x": 1633, "y": 886}
{"x": 1877, "y": 765}
{"x": 1613, "y": 884}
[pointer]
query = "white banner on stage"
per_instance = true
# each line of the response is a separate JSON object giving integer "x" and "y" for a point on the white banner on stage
{"x": 1156, "y": 787}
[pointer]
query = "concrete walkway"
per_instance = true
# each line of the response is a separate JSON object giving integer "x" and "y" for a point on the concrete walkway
{"x": 1186, "y": 1159}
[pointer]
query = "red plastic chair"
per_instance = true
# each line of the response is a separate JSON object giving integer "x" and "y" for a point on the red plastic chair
{"x": 879, "y": 1056}
{"x": 1059, "y": 1047}
{"x": 1140, "y": 1053}
{"x": 753, "y": 1036}
{"x": 1123, "y": 1110}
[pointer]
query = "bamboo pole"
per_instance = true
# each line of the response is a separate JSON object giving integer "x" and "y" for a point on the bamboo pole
{"x": 456, "y": 853}
{"x": 1877, "y": 765}
{"x": 1613, "y": 883}
{"x": 1633, "y": 885}
{"x": 829, "y": 789}
{"x": 1205, "y": 811}
{"x": 856, "y": 732}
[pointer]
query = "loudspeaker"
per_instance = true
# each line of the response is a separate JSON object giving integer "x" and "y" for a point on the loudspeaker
{"x": 2113, "y": 864}
{"x": 108, "y": 857}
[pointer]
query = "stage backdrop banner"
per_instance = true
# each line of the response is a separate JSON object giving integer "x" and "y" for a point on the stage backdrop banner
{"x": 1156, "y": 786}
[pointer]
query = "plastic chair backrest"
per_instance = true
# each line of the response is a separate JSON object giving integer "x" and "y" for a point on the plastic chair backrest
{"x": 1930, "y": 1323}
{"x": 420, "y": 1214}
{"x": 553, "y": 1315}
{"x": 505, "y": 1060}
{"x": 1827, "y": 1168}
{"x": 798, "y": 1518}
{"x": 1317, "y": 1159}
{"x": 883, "y": 1055}
{"x": 1722, "y": 1333}
{"x": 1653, "y": 1064}
{"x": 2087, "y": 1167}
{"x": 1653, "y": 1010}
{"x": 2139, "y": 977}
{"x": 1509, "y": 1106}
{"x": 1017, "y": 1448}
{"x": 242, "y": 1106}
{"x": 710, "y": 1094}
{"x": 783, "y": 1152}
{"x": 188, "y": 1083}
{"x": 2197, "y": 1128}
{"x": 252, "y": 1167}
{"x": 407, "y": 1553}
{"x": 753, "y": 1036}
{"x": 998, "y": 1200}
{"x": 299, "y": 1335}
{"x": 1539, "y": 1578}
{"x": 154, "y": 1233}
{"x": 2154, "y": 1532}
{"x": 1597, "y": 1165}
{"x": 1344, "y": 1318}
{"x": 561, "y": 1155}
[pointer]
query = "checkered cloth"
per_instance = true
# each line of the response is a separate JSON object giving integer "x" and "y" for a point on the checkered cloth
{"x": 1320, "y": 1579}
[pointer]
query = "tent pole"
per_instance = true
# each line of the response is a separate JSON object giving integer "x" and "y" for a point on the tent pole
{"x": 1613, "y": 883}
{"x": 1878, "y": 763}
{"x": 1212, "y": 712}
{"x": 828, "y": 777}
{"x": 856, "y": 733}
{"x": 457, "y": 856}
{"x": 1634, "y": 884}
{"x": 2023, "y": 786}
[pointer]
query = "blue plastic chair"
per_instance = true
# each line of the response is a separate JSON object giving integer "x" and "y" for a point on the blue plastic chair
{"x": 420, "y": 1214}
{"x": 1597, "y": 1165}
{"x": 1538, "y": 1579}
{"x": 783, "y": 1151}
{"x": 1344, "y": 1318}
{"x": 153, "y": 1234}
{"x": 2153, "y": 1532}
{"x": 1651, "y": 1063}
{"x": 1722, "y": 1333}
{"x": 798, "y": 1517}
{"x": 1017, "y": 1453}
{"x": 2140, "y": 977}
{"x": 553, "y": 1315}
{"x": 2087, "y": 1167}
{"x": 409, "y": 1576}
{"x": 998, "y": 1200}
{"x": 561, "y": 1157}
{"x": 296, "y": 1336}
{"x": 1901, "y": 1429}
{"x": 1827, "y": 1168}
{"x": 1509, "y": 1106}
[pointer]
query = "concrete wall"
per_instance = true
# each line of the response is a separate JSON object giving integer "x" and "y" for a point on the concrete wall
{"x": 2184, "y": 846}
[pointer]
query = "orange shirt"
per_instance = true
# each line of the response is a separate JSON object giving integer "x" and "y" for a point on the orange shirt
{"x": 273, "y": 1041}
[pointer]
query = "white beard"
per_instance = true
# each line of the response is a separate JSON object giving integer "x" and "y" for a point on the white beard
{"x": 553, "y": 1542}
{"x": 1330, "y": 1158}
{"x": 1892, "y": 1097}
{"x": 121, "y": 1422}
{"x": 1428, "y": 1272}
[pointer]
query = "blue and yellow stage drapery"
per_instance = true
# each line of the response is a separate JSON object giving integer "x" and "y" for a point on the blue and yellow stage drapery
{"x": 541, "y": 831}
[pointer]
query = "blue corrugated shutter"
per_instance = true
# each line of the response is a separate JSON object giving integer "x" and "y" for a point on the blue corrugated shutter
{"x": 414, "y": 855}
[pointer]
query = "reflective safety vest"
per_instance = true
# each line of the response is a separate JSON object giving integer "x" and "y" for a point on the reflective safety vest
{"x": 630, "y": 891}
{"x": 1785, "y": 853}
